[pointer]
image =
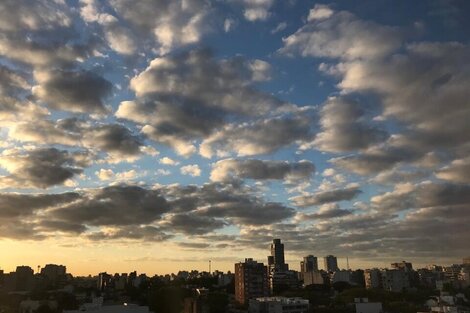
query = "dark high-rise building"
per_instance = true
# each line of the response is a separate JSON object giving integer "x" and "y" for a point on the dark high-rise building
{"x": 330, "y": 263}
{"x": 276, "y": 260}
{"x": 251, "y": 281}
{"x": 309, "y": 264}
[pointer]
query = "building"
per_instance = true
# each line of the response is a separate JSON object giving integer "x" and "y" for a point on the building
{"x": 276, "y": 261}
{"x": 278, "y": 305}
{"x": 330, "y": 263}
{"x": 54, "y": 274}
{"x": 313, "y": 278}
{"x": 309, "y": 264}
{"x": 341, "y": 276}
{"x": 373, "y": 278}
{"x": 403, "y": 265}
{"x": 364, "y": 306}
{"x": 24, "y": 278}
{"x": 251, "y": 281}
{"x": 283, "y": 280}
{"x": 466, "y": 261}
{"x": 395, "y": 280}
{"x": 97, "y": 307}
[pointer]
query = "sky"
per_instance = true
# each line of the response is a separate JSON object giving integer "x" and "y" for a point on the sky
{"x": 158, "y": 135}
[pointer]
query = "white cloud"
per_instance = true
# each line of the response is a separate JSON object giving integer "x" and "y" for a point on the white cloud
{"x": 192, "y": 170}
{"x": 168, "y": 161}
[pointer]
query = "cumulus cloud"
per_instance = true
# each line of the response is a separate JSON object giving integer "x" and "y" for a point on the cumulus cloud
{"x": 171, "y": 23}
{"x": 426, "y": 194}
{"x": 257, "y": 10}
{"x": 326, "y": 197}
{"x": 191, "y": 169}
{"x": 344, "y": 128}
{"x": 75, "y": 91}
{"x": 326, "y": 211}
{"x": 41, "y": 168}
{"x": 229, "y": 169}
{"x": 259, "y": 137}
{"x": 341, "y": 35}
{"x": 115, "y": 205}
{"x": 186, "y": 97}
{"x": 319, "y": 12}
{"x": 192, "y": 224}
{"x": 168, "y": 161}
{"x": 458, "y": 171}
{"x": 24, "y": 14}
{"x": 114, "y": 139}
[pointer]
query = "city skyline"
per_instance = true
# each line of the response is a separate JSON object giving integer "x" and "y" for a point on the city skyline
{"x": 160, "y": 135}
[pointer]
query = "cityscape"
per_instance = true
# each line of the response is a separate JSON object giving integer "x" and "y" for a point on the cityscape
{"x": 253, "y": 287}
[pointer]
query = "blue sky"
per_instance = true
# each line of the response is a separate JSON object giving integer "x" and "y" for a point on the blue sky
{"x": 206, "y": 128}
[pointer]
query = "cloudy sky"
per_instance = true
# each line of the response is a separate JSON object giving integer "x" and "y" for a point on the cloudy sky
{"x": 156, "y": 135}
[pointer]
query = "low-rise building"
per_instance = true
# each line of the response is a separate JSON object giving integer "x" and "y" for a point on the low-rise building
{"x": 364, "y": 306}
{"x": 278, "y": 305}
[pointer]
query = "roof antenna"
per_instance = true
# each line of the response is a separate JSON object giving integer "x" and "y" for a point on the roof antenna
{"x": 347, "y": 263}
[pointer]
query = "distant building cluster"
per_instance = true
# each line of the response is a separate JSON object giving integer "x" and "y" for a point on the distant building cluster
{"x": 254, "y": 287}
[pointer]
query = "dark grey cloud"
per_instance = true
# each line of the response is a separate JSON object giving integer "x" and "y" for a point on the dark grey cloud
{"x": 42, "y": 167}
{"x": 259, "y": 137}
{"x": 458, "y": 171}
{"x": 193, "y": 224}
{"x": 325, "y": 212}
{"x": 424, "y": 195}
{"x": 231, "y": 202}
{"x": 344, "y": 128}
{"x": 72, "y": 90}
{"x": 115, "y": 205}
{"x": 379, "y": 158}
{"x": 248, "y": 212}
{"x": 186, "y": 97}
{"x": 171, "y": 23}
{"x": 114, "y": 139}
{"x": 15, "y": 204}
{"x": 229, "y": 169}
{"x": 326, "y": 197}
{"x": 12, "y": 82}
{"x": 341, "y": 35}
{"x": 33, "y": 15}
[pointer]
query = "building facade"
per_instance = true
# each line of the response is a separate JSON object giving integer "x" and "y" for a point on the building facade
{"x": 278, "y": 305}
{"x": 330, "y": 263}
{"x": 251, "y": 281}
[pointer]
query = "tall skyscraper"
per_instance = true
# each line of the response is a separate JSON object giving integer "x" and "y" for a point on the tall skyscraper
{"x": 309, "y": 264}
{"x": 276, "y": 260}
{"x": 330, "y": 263}
{"x": 251, "y": 281}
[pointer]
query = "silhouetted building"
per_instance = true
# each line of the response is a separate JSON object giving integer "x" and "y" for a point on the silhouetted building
{"x": 54, "y": 275}
{"x": 405, "y": 266}
{"x": 104, "y": 280}
{"x": 330, "y": 263}
{"x": 276, "y": 259}
{"x": 251, "y": 281}
{"x": 357, "y": 278}
{"x": 309, "y": 264}
{"x": 24, "y": 278}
